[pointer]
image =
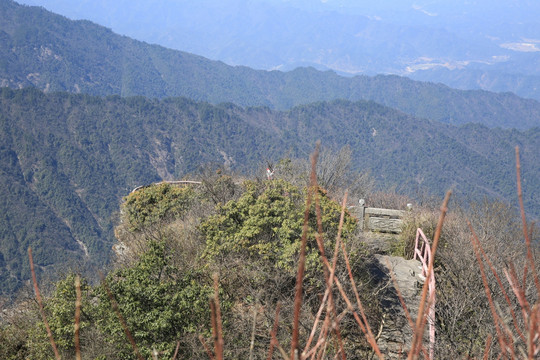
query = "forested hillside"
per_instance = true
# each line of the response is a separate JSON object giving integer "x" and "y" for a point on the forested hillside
{"x": 53, "y": 53}
{"x": 225, "y": 259}
{"x": 466, "y": 45}
{"x": 68, "y": 159}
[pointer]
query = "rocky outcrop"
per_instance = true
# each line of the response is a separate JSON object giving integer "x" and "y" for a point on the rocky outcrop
{"x": 395, "y": 334}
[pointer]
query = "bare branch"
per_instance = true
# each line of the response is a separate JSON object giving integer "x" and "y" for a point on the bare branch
{"x": 40, "y": 303}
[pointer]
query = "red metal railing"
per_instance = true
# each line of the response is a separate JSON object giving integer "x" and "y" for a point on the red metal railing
{"x": 424, "y": 255}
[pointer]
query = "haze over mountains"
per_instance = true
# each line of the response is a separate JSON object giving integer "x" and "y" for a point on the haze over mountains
{"x": 465, "y": 44}
{"x": 55, "y": 54}
{"x": 85, "y": 136}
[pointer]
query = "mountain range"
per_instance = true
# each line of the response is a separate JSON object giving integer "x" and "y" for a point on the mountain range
{"x": 53, "y": 53}
{"x": 99, "y": 114}
{"x": 67, "y": 160}
{"x": 481, "y": 44}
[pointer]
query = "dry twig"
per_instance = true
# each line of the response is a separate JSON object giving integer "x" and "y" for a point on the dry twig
{"x": 116, "y": 309}
{"x": 524, "y": 221}
{"x": 77, "y": 317}
{"x": 176, "y": 350}
{"x": 40, "y": 303}
{"x": 206, "y": 348}
{"x": 273, "y": 334}
{"x": 217, "y": 329}
{"x": 302, "y": 260}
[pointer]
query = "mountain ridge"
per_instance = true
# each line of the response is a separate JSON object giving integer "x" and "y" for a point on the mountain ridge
{"x": 67, "y": 159}
{"x": 482, "y": 44}
{"x": 54, "y": 53}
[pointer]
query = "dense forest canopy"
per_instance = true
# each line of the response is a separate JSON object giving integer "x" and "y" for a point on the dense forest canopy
{"x": 68, "y": 159}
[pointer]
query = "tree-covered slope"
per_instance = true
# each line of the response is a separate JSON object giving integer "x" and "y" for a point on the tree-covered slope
{"x": 414, "y": 154}
{"x": 68, "y": 159}
{"x": 53, "y": 53}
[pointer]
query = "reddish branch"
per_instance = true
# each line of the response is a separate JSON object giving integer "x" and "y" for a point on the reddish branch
{"x": 328, "y": 273}
{"x": 40, "y": 303}
{"x": 366, "y": 329}
{"x": 302, "y": 261}
{"x": 496, "y": 319}
{"x": 273, "y": 334}
{"x": 77, "y": 317}
{"x": 524, "y": 221}
{"x": 217, "y": 329}
{"x": 116, "y": 309}
{"x": 206, "y": 348}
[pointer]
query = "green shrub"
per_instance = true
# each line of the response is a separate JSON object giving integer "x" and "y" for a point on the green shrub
{"x": 265, "y": 223}
{"x": 156, "y": 203}
{"x": 160, "y": 304}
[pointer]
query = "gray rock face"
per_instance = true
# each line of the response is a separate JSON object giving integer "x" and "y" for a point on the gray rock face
{"x": 395, "y": 334}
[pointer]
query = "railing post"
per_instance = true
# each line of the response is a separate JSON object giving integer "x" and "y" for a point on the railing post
{"x": 362, "y": 212}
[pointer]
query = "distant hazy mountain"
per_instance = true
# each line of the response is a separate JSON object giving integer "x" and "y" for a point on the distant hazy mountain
{"x": 53, "y": 53}
{"x": 66, "y": 160}
{"x": 490, "y": 45}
